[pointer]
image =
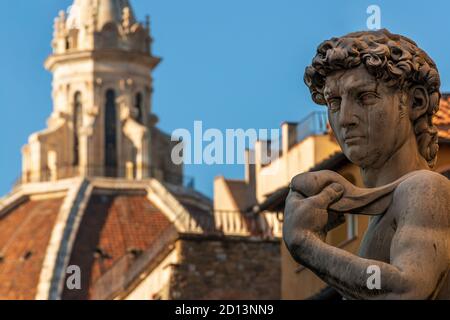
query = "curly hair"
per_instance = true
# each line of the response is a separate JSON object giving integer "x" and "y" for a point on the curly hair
{"x": 392, "y": 58}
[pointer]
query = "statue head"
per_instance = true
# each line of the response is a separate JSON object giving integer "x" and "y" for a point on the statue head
{"x": 381, "y": 89}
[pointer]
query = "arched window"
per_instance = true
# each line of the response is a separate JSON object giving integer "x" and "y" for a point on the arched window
{"x": 77, "y": 124}
{"x": 110, "y": 134}
{"x": 139, "y": 106}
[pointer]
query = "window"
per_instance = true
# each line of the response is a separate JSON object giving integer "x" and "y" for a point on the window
{"x": 139, "y": 107}
{"x": 110, "y": 134}
{"x": 77, "y": 124}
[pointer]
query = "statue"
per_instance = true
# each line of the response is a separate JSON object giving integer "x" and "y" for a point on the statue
{"x": 381, "y": 91}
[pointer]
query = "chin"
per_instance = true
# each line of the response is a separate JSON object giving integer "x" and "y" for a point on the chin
{"x": 357, "y": 155}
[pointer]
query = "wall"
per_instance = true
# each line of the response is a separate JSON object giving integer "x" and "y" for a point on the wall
{"x": 301, "y": 157}
{"x": 154, "y": 285}
{"x": 231, "y": 268}
{"x": 223, "y": 198}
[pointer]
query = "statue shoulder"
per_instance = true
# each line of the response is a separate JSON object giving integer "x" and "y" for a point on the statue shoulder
{"x": 421, "y": 179}
{"x": 424, "y": 189}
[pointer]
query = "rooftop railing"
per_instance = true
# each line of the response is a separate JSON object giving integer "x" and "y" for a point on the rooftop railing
{"x": 314, "y": 124}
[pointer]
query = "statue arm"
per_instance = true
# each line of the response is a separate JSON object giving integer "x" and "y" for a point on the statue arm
{"x": 419, "y": 249}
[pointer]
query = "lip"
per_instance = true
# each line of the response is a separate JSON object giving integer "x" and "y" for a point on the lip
{"x": 352, "y": 139}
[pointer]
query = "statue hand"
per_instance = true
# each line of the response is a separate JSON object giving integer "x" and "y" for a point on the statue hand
{"x": 310, "y": 215}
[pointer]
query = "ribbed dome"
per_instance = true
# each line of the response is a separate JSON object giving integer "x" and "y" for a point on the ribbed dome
{"x": 104, "y": 11}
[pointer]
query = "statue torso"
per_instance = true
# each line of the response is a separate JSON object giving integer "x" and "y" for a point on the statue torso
{"x": 377, "y": 240}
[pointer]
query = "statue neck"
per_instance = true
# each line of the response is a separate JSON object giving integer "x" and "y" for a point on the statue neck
{"x": 405, "y": 160}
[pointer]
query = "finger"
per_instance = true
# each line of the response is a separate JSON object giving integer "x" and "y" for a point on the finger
{"x": 294, "y": 196}
{"x": 293, "y": 200}
{"x": 328, "y": 196}
{"x": 297, "y": 183}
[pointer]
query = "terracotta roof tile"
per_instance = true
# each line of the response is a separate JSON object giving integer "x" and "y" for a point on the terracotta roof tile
{"x": 24, "y": 235}
{"x": 442, "y": 117}
{"x": 112, "y": 227}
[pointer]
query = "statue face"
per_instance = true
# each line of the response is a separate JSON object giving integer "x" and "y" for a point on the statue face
{"x": 367, "y": 117}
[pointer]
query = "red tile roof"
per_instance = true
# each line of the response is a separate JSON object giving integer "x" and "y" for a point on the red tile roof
{"x": 442, "y": 117}
{"x": 24, "y": 236}
{"x": 112, "y": 229}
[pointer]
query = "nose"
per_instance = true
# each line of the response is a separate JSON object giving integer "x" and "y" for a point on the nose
{"x": 347, "y": 114}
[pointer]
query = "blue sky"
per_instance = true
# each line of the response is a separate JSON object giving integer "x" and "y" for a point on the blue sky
{"x": 229, "y": 63}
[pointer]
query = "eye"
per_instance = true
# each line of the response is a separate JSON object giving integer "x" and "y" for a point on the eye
{"x": 368, "y": 98}
{"x": 334, "y": 104}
